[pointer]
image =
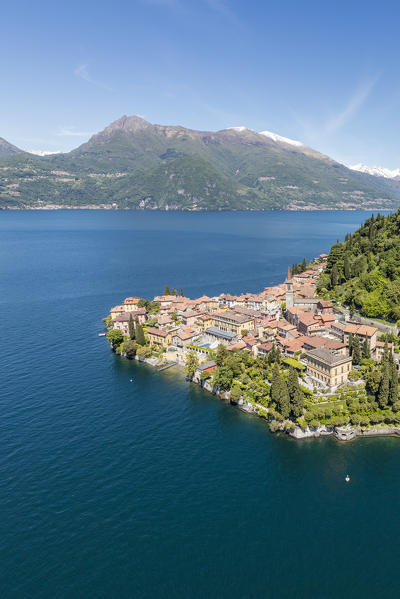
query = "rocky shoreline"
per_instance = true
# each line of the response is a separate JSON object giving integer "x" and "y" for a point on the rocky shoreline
{"x": 341, "y": 433}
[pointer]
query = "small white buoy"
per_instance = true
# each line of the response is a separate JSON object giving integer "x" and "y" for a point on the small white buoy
{"x": 131, "y": 380}
{"x": 347, "y": 479}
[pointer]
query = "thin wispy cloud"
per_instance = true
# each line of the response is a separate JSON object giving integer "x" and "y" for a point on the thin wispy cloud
{"x": 352, "y": 107}
{"x": 72, "y": 132}
{"x": 82, "y": 72}
{"x": 314, "y": 132}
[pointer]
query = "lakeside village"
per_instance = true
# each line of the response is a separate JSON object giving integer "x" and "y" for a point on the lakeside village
{"x": 283, "y": 354}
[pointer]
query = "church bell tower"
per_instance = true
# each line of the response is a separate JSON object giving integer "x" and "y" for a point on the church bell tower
{"x": 289, "y": 290}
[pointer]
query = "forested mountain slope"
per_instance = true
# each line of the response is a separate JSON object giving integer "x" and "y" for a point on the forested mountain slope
{"x": 363, "y": 272}
{"x": 134, "y": 164}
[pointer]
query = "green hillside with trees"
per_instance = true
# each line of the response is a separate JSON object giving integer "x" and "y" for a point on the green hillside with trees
{"x": 363, "y": 272}
{"x": 134, "y": 164}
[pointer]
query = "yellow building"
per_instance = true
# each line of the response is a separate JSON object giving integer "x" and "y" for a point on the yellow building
{"x": 232, "y": 322}
{"x": 328, "y": 368}
{"x": 204, "y": 321}
{"x": 131, "y": 304}
{"x": 160, "y": 336}
{"x": 117, "y": 311}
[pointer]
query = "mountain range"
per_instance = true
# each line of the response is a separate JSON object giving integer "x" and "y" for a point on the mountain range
{"x": 377, "y": 171}
{"x": 135, "y": 164}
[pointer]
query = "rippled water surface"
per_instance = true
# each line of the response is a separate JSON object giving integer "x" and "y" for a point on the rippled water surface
{"x": 154, "y": 489}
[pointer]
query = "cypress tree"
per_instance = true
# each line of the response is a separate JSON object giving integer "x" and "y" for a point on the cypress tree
{"x": 174, "y": 292}
{"x": 166, "y": 290}
{"x": 385, "y": 357}
{"x": 383, "y": 391}
{"x": 297, "y": 403}
{"x": 131, "y": 327}
{"x": 296, "y": 395}
{"x": 275, "y": 383}
{"x": 283, "y": 403}
{"x": 346, "y": 266}
{"x": 393, "y": 384}
{"x": 356, "y": 350}
{"x": 334, "y": 276}
{"x": 139, "y": 334}
{"x": 365, "y": 350}
{"x": 292, "y": 382}
{"x": 351, "y": 340}
{"x": 181, "y": 293}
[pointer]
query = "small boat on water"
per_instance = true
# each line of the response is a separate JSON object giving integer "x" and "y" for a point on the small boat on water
{"x": 347, "y": 479}
{"x": 102, "y": 334}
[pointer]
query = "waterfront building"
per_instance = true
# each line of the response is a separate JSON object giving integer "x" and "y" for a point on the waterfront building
{"x": 205, "y": 367}
{"x": 161, "y": 337}
{"x": 131, "y": 304}
{"x": 184, "y": 337}
{"x": 117, "y": 311}
{"x": 328, "y": 368}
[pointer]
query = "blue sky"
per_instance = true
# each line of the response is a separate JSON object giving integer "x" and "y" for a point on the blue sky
{"x": 325, "y": 73}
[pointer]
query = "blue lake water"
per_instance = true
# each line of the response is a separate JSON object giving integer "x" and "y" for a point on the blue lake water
{"x": 154, "y": 489}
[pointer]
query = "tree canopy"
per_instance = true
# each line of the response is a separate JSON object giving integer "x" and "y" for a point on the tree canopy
{"x": 363, "y": 272}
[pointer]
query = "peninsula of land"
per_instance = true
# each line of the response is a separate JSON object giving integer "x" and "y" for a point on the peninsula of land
{"x": 304, "y": 363}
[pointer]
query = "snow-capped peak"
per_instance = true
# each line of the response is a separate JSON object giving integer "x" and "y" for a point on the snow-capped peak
{"x": 376, "y": 171}
{"x": 276, "y": 137}
{"x": 239, "y": 129}
{"x": 44, "y": 152}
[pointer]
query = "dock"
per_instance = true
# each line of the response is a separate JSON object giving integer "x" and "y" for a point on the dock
{"x": 167, "y": 366}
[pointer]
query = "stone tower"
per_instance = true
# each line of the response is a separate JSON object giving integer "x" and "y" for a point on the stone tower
{"x": 289, "y": 290}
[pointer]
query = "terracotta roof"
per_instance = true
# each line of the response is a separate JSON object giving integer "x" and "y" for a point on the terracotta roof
{"x": 231, "y": 315}
{"x": 187, "y": 334}
{"x": 295, "y": 310}
{"x": 285, "y": 326}
{"x": 265, "y": 346}
{"x": 238, "y": 345}
{"x": 118, "y": 309}
{"x": 190, "y": 314}
{"x": 158, "y": 332}
{"x": 307, "y": 318}
{"x": 317, "y": 342}
{"x": 131, "y": 300}
{"x": 294, "y": 345}
{"x": 327, "y": 318}
{"x": 249, "y": 340}
{"x": 362, "y": 329}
